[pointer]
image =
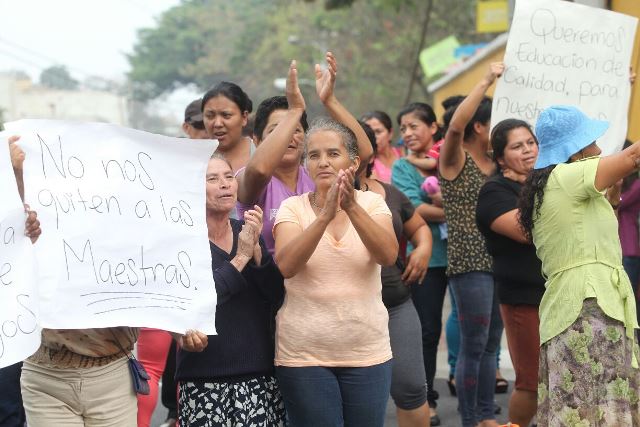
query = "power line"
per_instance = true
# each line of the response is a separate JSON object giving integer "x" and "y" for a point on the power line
{"x": 50, "y": 61}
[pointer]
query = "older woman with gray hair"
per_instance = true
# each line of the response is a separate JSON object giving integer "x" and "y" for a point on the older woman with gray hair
{"x": 332, "y": 340}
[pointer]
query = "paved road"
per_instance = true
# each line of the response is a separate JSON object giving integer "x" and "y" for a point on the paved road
{"x": 447, "y": 405}
{"x": 447, "y": 408}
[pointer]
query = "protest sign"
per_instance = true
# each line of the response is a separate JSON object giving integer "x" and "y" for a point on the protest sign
{"x": 19, "y": 331}
{"x": 562, "y": 53}
{"x": 124, "y": 236}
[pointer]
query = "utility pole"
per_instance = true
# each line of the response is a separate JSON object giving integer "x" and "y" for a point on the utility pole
{"x": 416, "y": 63}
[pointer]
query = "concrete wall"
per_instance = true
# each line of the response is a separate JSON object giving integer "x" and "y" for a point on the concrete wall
{"x": 21, "y": 100}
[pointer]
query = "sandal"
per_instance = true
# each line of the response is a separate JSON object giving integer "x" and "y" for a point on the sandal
{"x": 502, "y": 386}
{"x": 451, "y": 383}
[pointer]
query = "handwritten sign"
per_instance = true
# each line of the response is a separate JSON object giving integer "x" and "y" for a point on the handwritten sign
{"x": 124, "y": 238}
{"x": 19, "y": 331}
{"x": 560, "y": 52}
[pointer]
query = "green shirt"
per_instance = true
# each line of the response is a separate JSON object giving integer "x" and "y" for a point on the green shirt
{"x": 406, "y": 178}
{"x": 576, "y": 237}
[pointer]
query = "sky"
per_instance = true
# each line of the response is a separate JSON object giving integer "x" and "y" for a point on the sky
{"x": 90, "y": 37}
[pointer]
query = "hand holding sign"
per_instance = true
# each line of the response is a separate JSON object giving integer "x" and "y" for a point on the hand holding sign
{"x": 125, "y": 231}
{"x": 495, "y": 71}
{"x": 562, "y": 53}
{"x": 19, "y": 331}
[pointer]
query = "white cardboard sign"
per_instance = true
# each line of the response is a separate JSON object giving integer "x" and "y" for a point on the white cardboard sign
{"x": 562, "y": 53}
{"x": 124, "y": 236}
{"x": 19, "y": 330}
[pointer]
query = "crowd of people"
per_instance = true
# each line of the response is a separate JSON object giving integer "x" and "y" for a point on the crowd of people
{"x": 332, "y": 250}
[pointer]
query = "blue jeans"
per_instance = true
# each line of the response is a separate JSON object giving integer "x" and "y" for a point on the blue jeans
{"x": 480, "y": 332}
{"x": 453, "y": 338}
{"x": 321, "y": 396}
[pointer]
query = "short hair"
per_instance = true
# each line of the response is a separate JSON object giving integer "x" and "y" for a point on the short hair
{"x": 346, "y": 135}
{"x": 231, "y": 91}
{"x": 381, "y": 116}
{"x": 267, "y": 107}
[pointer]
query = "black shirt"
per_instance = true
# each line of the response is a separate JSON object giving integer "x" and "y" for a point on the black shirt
{"x": 516, "y": 268}
{"x": 247, "y": 302}
{"x": 394, "y": 290}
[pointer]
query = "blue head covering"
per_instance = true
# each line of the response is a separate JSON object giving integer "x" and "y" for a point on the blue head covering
{"x": 562, "y": 131}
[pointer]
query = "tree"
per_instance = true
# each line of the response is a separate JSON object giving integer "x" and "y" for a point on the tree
{"x": 251, "y": 42}
{"x": 58, "y": 77}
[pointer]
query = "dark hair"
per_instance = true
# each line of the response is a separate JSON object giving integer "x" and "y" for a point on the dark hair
{"x": 449, "y": 106}
{"x": 231, "y": 91}
{"x": 247, "y": 130}
{"x": 423, "y": 111}
{"x": 629, "y": 179}
{"x": 482, "y": 115}
{"x": 372, "y": 139}
{"x": 267, "y": 107}
{"x": 425, "y": 114}
{"x": 500, "y": 136}
{"x": 531, "y": 197}
{"x": 381, "y": 116}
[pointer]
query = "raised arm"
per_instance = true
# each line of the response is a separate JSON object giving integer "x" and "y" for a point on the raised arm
{"x": 452, "y": 157}
{"x": 255, "y": 177}
{"x": 325, "y": 84}
{"x": 615, "y": 167}
{"x": 294, "y": 246}
{"x": 376, "y": 232}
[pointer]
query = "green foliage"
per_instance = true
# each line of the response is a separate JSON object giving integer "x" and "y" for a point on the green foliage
{"x": 251, "y": 43}
{"x": 58, "y": 77}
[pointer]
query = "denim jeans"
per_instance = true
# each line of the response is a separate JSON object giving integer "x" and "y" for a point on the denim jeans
{"x": 452, "y": 329}
{"x": 480, "y": 332}
{"x": 428, "y": 298}
{"x": 319, "y": 396}
{"x": 11, "y": 411}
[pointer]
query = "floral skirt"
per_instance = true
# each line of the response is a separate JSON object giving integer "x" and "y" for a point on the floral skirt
{"x": 249, "y": 403}
{"x": 585, "y": 376}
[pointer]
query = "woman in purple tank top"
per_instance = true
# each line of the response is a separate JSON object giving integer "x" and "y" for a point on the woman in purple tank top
{"x": 275, "y": 172}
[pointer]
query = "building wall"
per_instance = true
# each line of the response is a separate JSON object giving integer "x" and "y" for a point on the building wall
{"x": 463, "y": 84}
{"x": 21, "y": 100}
{"x": 632, "y": 7}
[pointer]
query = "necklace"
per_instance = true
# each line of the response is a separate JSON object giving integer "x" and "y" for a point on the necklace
{"x": 312, "y": 198}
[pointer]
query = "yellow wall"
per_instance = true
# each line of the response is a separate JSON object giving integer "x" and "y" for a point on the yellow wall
{"x": 632, "y": 7}
{"x": 463, "y": 84}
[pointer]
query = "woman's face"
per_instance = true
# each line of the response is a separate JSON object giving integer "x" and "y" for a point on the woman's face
{"x": 521, "y": 151}
{"x": 224, "y": 121}
{"x": 293, "y": 155}
{"x": 417, "y": 135}
{"x": 222, "y": 187}
{"x": 326, "y": 156}
{"x": 383, "y": 135}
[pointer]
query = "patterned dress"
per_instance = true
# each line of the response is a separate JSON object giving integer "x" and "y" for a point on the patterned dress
{"x": 588, "y": 372}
